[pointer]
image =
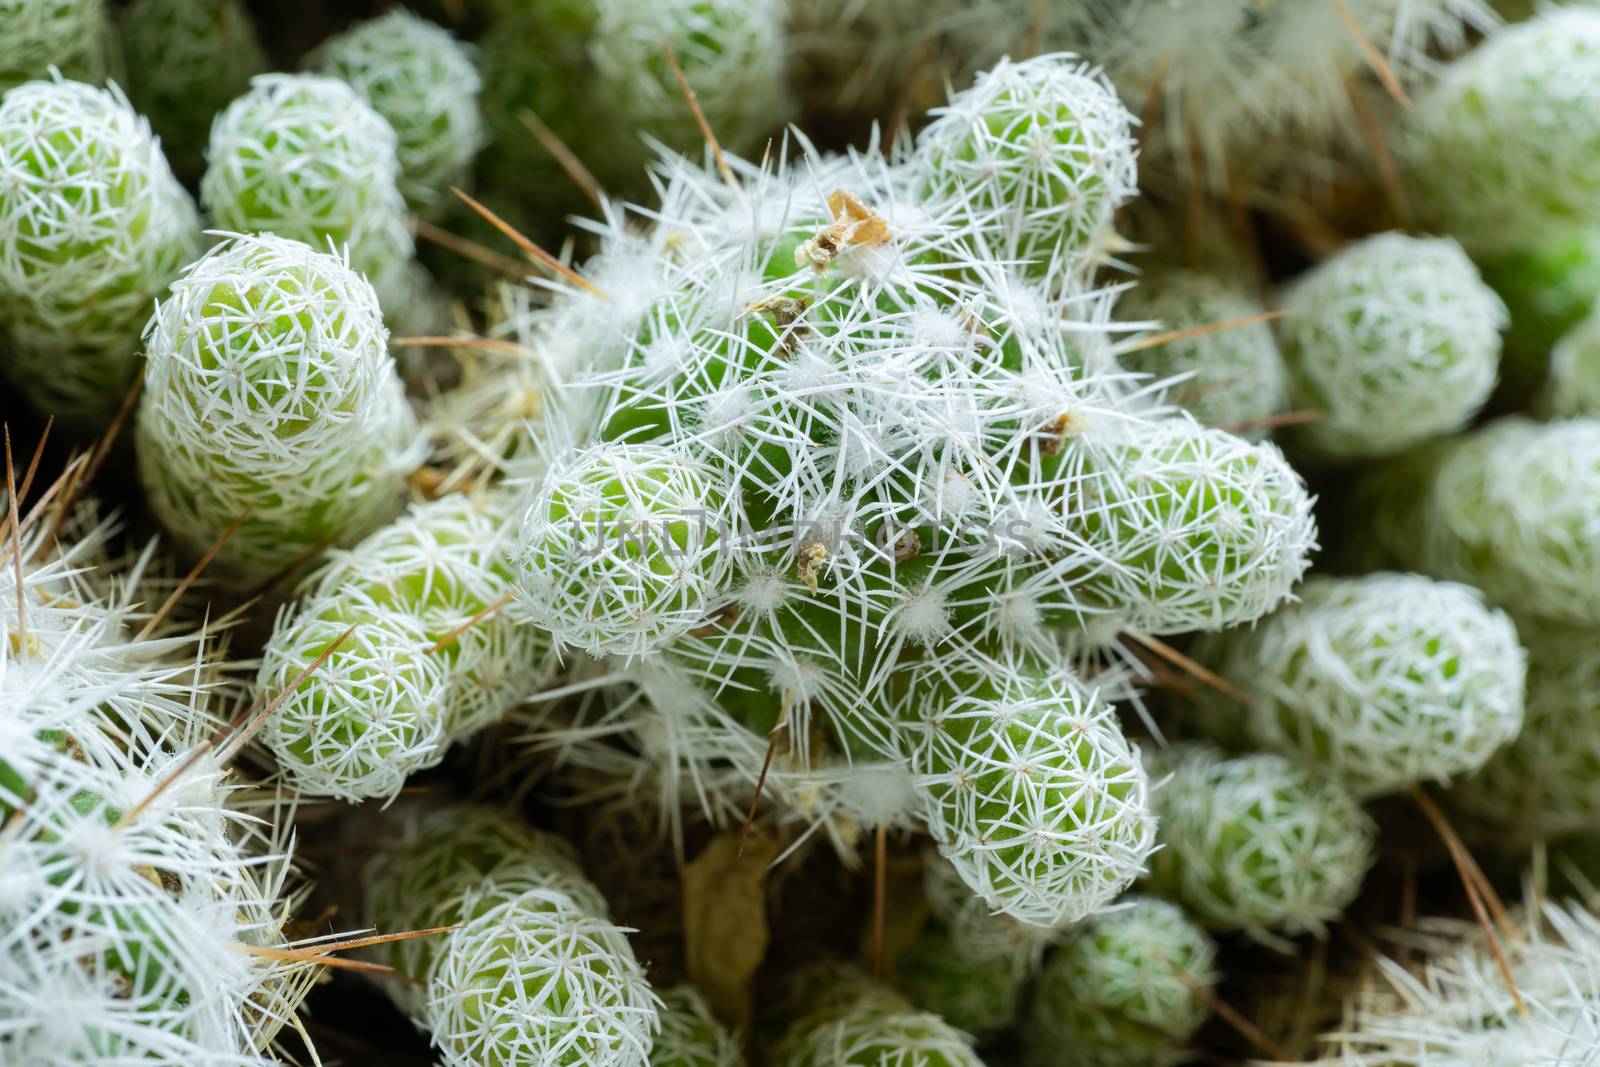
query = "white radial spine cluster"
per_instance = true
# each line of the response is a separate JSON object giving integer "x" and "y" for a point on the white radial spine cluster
{"x": 1257, "y": 844}
{"x": 425, "y": 83}
{"x": 433, "y": 657}
{"x": 620, "y": 550}
{"x": 1381, "y": 682}
{"x": 1038, "y": 155}
{"x": 305, "y": 157}
{"x": 1033, "y": 793}
{"x": 137, "y": 886}
{"x": 535, "y": 972}
{"x": 1129, "y": 988}
{"x": 74, "y": 36}
{"x": 1502, "y": 144}
{"x": 92, "y": 228}
{"x": 1393, "y": 340}
{"x": 186, "y": 60}
{"x": 1204, "y": 530}
{"x": 1460, "y": 1007}
{"x": 1509, "y": 508}
{"x": 270, "y": 401}
{"x": 1232, "y": 378}
{"x": 1542, "y": 785}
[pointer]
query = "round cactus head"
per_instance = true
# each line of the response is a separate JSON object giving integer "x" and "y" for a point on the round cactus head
{"x": 1256, "y": 844}
{"x": 369, "y": 715}
{"x": 1546, "y": 782}
{"x": 270, "y": 399}
{"x": 73, "y": 36}
{"x": 1503, "y": 145}
{"x": 1036, "y": 157}
{"x": 1380, "y": 682}
{"x": 1204, "y": 529}
{"x": 1034, "y": 794}
{"x": 1392, "y": 341}
{"x": 1127, "y": 989}
{"x": 619, "y": 548}
{"x": 92, "y": 228}
{"x": 307, "y": 158}
{"x": 424, "y": 82}
{"x": 1232, "y": 378}
{"x": 690, "y": 1035}
{"x": 187, "y": 59}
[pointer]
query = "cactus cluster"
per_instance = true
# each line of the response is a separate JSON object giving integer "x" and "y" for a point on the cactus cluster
{"x": 892, "y": 538}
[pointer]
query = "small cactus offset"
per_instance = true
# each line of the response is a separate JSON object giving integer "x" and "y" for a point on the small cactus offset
{"x": 1381, "y": 681}
{"x": 1392, "y": 341}
{"x": 270, "y": 401}
{"x": 92, "y": 228}
{"x": 75, "y": 37}
{"x": 1234, "y": 379}
{"x": 432, "y": 658}
{"x": 1039, "y": 155}
{"x": 1127, "y": 989}
{"x": 307, "y": 158}
{"x": 534, "y": 971}
{"x": 1256, "y": 844}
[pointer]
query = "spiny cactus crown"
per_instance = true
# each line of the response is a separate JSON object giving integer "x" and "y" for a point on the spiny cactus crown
{"x": 1226, "y": 379}
{"x": 424, "y": 82}
{"x": 1127, "y": 989}
{"x": 270, "y": 396}
{"x": 1381, "y": 681}
{"x": 535, "y": 973}
{"x": 307, "y": 158}
{"x": 1255, "y": 843}
{"x": 92, "y": 228}
{"x": 1393, "y": 340}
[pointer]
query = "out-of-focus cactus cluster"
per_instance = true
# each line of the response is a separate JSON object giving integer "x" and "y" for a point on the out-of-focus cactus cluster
{"x": 705, "y": 533}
